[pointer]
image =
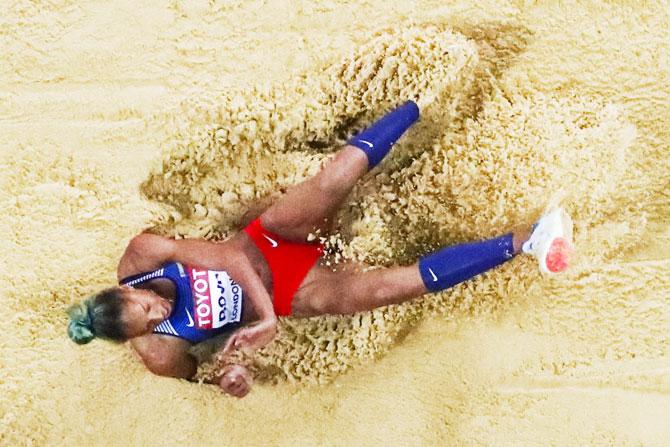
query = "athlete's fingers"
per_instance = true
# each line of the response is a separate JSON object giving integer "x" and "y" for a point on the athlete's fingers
{"x": 232, "y": 391}
{"x": 236, "y": 394}
{"x": 253, "y": 336}
{"x": 247, "y": 335}
{"x": 231, "y": 344}
{"x": 241, "y": 390}
{"x": 227, "y": 347}
{"x": 245, "y": 340}
{"x": 230, "y": 387}
{"x": 237, "y": 389}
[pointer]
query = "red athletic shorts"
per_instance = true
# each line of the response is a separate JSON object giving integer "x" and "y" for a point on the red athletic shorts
{"x": 289, "y": 262}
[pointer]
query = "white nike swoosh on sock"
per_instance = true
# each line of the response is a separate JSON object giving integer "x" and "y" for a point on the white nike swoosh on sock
{"x": 433, "y": 274}
{"x": 367, "y": 142}
{"x": 272, "y": 241}
{"x": 190, "y": 319}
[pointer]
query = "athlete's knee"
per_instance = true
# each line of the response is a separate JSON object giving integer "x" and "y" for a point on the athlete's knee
{"x": 347, "y": 166}
{"x": 367, "y": 291}
{"x": 280, "y": 222}
{"x": 324, "y": 304}
{"x": 332, "y": 181}
{"x": 335, "y": 298}
{"x": 159, "y": 362}
{"x": 383, "y": 294}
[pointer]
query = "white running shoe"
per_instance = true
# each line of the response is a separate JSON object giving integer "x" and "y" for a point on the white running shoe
{"x": 551, "y": 241}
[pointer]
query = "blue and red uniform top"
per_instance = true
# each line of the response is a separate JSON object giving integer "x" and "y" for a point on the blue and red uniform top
{"x": 207, "y": 302}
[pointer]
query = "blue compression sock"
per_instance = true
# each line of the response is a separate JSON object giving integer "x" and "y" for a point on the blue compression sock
{"x": 451, "y": 265}
{"x": 377, "y": 139}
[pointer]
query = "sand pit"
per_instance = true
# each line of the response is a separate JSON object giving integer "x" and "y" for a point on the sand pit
{"x": 120, "y": 117}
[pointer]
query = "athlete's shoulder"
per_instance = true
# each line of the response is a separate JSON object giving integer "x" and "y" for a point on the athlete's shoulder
{"x": 145, "y": 252}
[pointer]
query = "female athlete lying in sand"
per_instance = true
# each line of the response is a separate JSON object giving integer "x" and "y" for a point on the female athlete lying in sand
{"x": 175, "y": 293}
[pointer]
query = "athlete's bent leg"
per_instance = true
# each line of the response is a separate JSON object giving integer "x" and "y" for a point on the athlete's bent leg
{"x": 307, "y": 206}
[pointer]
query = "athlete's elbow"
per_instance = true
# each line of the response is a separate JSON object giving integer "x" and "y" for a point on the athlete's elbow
{"x": 159, "y": 368}
{"x": 168, "y": 366}
{"x": 171, "y": 370}
{"x": 157, "y": 363}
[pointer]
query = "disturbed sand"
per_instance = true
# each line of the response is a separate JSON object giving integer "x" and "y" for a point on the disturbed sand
{"x": 116, "y": 117}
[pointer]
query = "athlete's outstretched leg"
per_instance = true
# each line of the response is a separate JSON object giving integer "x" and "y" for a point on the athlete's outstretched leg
{"x": 352, "y": 290}
{"x": 307, "y": 206}
{"x": 341, "y": 292}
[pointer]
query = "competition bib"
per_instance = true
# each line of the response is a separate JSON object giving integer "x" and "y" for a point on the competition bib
{"x": 217, "y": 299}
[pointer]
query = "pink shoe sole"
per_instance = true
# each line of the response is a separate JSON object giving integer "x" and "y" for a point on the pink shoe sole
{"x": 559, "y": 255}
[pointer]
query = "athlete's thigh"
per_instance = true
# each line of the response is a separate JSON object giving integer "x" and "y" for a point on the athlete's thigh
{"x": 310, "y": 205}
{"x": 325, "y": 290}
{"x": 293, "y": 215}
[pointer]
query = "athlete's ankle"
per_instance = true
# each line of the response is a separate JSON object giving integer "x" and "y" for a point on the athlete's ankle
{"x": 550, "y": 241}
{"x": 376, "y": 140}
{"x": 454, "y": 264}
{"x": 520, "y": 235}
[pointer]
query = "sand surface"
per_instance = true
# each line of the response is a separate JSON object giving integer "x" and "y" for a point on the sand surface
{"x": 118, "y": 116}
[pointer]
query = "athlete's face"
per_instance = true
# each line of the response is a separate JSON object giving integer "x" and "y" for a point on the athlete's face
{"x": 143, "y": 310}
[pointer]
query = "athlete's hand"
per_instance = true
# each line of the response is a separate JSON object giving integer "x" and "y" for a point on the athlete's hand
{"x": 252, "y": 337}
{"x": 236, "y": 380}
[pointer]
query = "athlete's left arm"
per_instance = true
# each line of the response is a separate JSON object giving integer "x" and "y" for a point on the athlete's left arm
{"x": 262, "y": 332}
